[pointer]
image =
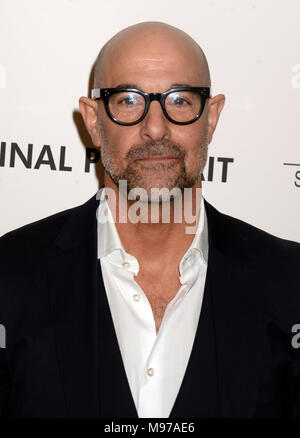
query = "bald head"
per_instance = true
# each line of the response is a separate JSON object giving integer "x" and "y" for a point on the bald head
{"x": 151, "y": 41}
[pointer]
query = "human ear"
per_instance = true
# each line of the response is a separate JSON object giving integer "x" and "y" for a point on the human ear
{"x": 215, "y": 107}
{"x": 89, "y": 111}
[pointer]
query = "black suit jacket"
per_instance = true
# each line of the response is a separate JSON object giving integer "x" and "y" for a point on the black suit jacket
{"x": 62, "y": 357}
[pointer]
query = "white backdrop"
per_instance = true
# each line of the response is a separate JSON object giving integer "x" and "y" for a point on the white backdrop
{"x": 47, "y": 50}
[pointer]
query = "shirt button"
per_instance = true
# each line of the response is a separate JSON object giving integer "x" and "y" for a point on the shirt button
{"x": 150, "y": 372}
{"x": 126, "y": 265}
{"x": 136, "y": 297}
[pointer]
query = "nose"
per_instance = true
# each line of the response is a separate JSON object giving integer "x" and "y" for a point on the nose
{"x": 155, "y": 126}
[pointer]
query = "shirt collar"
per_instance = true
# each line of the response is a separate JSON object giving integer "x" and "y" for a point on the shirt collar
{"x": 195, "y": 259}
{"x": 109, "y": 242}
{"x": 108, "y": 236}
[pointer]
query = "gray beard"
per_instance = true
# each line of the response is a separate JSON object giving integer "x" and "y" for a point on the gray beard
{"x": 135, "y": 179}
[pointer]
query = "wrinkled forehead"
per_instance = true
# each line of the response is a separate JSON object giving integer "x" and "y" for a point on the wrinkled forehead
{"x": 164, "y": 56}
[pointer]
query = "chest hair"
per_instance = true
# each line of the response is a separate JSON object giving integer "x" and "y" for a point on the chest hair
{"x": 159, "y": 294}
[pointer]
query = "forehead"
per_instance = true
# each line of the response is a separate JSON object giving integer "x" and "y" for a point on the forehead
{"x": 151, "y": 62}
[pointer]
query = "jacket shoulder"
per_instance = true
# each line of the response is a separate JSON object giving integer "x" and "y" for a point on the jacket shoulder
{"x": 39, "y": 231}
{"x": 37, "y": 234}
{"x": 235, "y": 231}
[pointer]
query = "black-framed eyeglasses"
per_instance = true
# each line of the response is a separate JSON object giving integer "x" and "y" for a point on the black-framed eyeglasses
{"x": 129, "y": 106}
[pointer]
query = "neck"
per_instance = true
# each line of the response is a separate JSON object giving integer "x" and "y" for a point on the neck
{"x": 154, "y": 231}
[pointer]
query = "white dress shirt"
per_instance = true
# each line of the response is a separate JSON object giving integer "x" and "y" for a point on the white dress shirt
{"x": 155, "y": 363}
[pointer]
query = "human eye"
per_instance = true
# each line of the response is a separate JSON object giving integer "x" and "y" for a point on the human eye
{"x": 127, "y": 100}
{"x": 179, "y": 100}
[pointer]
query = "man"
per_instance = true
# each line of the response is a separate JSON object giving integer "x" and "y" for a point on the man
{"x": 142, "y": 318}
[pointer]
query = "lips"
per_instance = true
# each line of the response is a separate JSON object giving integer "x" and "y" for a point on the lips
{"x": 157, "y": 158}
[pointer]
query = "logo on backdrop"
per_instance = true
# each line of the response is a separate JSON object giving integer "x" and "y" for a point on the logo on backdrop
{"x": 15, "y": 156}
{"x": 297, "y": 173}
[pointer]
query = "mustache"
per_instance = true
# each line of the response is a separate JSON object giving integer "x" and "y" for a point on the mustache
{"x": 155, "y": 149}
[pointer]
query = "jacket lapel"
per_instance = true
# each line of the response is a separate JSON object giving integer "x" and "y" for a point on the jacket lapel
{"x": 115, "y": 396}
{"x": 233, "y": 275}
{"x": 221, "y": 379}
{"x": 92, "y": 371}
{"x": 71, "y": 277}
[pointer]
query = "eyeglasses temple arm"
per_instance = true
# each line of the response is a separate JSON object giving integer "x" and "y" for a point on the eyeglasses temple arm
{"x": 95, "y": 93}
